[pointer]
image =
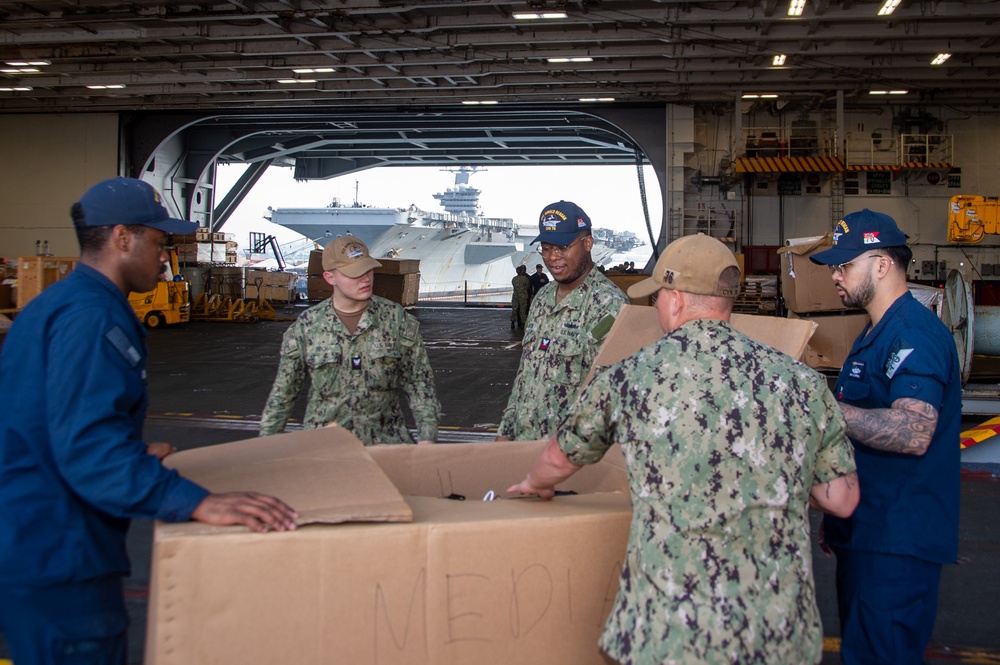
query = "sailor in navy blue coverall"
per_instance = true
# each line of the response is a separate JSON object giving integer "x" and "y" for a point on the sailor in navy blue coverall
{"x": 73, "y": 465}
{"x": 900, "y": 390}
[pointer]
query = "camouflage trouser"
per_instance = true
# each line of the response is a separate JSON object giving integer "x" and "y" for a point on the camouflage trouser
{"x": 519, "y": 311}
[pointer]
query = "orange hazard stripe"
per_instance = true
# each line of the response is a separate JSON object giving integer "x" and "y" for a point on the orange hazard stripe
{"x": 789, "y": 164}
{"x": 971, "y": 437}
{"x": 898, "y": 167}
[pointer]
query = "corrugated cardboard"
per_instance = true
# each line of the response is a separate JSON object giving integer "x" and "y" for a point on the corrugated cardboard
{"x": 315, "y": 263}
{"x": 834, "y": 337}
{"x": 806, "y": 286}
{"x": 318, "y": 288}
{"x": 638, "y": 326}
{"x": 467, "y": 581}
{"x": 515, "y": 580}
{"x": 397, "y": 266}
{"x": 324, "y": 473}
{"x": 403, "y": 289}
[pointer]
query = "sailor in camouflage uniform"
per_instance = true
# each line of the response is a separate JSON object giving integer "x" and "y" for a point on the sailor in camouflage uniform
{"x": 355, "y": 350}
{"x": 728, "y": 442}
{"x": 568, "y": 320}
{"x": 520, "y": 298}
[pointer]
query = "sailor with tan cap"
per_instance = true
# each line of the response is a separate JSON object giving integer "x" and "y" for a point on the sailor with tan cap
{"x": 728, "y": 443}
{"x": 354, "y": 351}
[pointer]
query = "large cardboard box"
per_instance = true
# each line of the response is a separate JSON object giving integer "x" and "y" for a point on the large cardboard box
{"x": 403, "y": 289}
{"x": 514, "y": 580}
{"x": 624, "y": 280}
{"x": 397, "y": 266}
{"x": 638, "y": 326}
{"x": 202, "y": 252}
{"x": 318, "y": 288}
{"x": 834, "y": 337}
{"x": 419, "y": 568}
{"x": 316, "y": 263}
{"x": 805, "y": 286}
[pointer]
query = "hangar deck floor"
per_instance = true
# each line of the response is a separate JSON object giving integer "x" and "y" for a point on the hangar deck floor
{"x": 208, "y": 383}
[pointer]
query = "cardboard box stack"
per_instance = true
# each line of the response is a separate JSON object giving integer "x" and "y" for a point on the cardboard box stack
{"x": 205, "y": 247}
{"x": 403, "y": 556}
{"x": 397, "y": 280}
{"x": 272, "y": 286}
{"x": 810, "y": 293}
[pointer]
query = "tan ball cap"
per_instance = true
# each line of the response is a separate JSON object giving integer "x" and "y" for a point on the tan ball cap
{"x": 348, "y": 255}
{"x": 692, "y": 264}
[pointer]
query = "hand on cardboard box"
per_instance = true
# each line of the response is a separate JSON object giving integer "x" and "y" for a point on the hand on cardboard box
{"x": 551, "y": 468}
{"x": 258, "y": 511}
{"x": 525, "y": 487}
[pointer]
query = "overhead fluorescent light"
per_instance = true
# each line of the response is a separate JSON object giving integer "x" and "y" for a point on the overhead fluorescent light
{"x": 779, "y": 60}
{"x": 795, "y": 7}
{"x": 476, "y": 102}
{"x": 940, "y": 58}
{"x": 536, "y": 16}
{"x": 888, "y": 92}
{"x": 578, "y": 59}
{"x": 889, "y": 7}
{"x": 597, "y": 99}
{"x": 18, "y": 89}
{"x": 321, "y": 70}
{"x": 27, "y": 63}
{"x": 20, "y": 70}
{"x": 767, "y": 95}
{"x": 296, "y": 80}
{"x": 111, "y": 86}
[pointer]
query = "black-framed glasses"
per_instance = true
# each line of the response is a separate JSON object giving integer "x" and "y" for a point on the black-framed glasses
{"x": 557, "y": 250}
{"x": 839, "y": 267}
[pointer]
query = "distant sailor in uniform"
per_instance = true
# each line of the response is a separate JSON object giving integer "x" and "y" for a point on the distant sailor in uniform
{"x": 355, "y": 351}
{"x": 521, "y": 298}
{"x": 566, "y": 325}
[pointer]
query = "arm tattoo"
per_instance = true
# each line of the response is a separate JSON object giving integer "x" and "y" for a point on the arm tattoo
{"x": 906, "y": 427}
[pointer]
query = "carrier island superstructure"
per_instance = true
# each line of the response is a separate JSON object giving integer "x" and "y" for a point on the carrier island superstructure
{"x": 461, "y": 251}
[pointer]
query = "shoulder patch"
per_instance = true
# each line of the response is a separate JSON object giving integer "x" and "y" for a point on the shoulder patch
{"x": 119, "y": 340}
{"x": 901, "y": 351}
{"x": 602, "y": 328}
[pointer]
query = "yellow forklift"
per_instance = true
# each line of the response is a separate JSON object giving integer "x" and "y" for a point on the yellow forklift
{"x": 169, "y": 302}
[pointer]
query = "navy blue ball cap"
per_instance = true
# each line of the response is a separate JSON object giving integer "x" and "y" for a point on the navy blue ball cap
{"x": 130, "y": 202}
{"x": 560, "y": 223}
{"x": 858, "y": 233}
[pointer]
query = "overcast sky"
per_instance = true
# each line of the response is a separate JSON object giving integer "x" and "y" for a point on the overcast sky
{"x": 609, "y": 194}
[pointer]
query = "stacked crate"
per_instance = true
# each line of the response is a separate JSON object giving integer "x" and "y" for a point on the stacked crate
{"x": 809, "y": 293}
{"x": 397, "y": 280}
{"x": 35, "y": 273}
{"x": 204, "y": 247}
{"x": 273, "y": 286}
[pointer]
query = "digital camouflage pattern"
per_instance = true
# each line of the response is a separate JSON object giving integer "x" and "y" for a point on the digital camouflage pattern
{"x": 521, "y": 298}
{"x": 724, "y": 438}
{"x": 353, "y": 379}
{"x": 557, "y": 351}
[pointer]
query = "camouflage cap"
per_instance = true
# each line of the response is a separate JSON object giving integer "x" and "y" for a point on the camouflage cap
{"x": 348, "y": 255}
{"x": 692, "y": 264}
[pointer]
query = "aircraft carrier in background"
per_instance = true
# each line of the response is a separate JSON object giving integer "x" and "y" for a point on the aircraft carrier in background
{"x": 461, "y": 251}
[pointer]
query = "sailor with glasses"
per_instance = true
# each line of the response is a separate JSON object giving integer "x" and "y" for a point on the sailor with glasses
{"x": 900, "y": 391}
{"x": 566, "y": 324}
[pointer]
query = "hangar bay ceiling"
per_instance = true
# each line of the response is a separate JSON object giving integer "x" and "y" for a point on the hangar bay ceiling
{"x": 111, "y": 55}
